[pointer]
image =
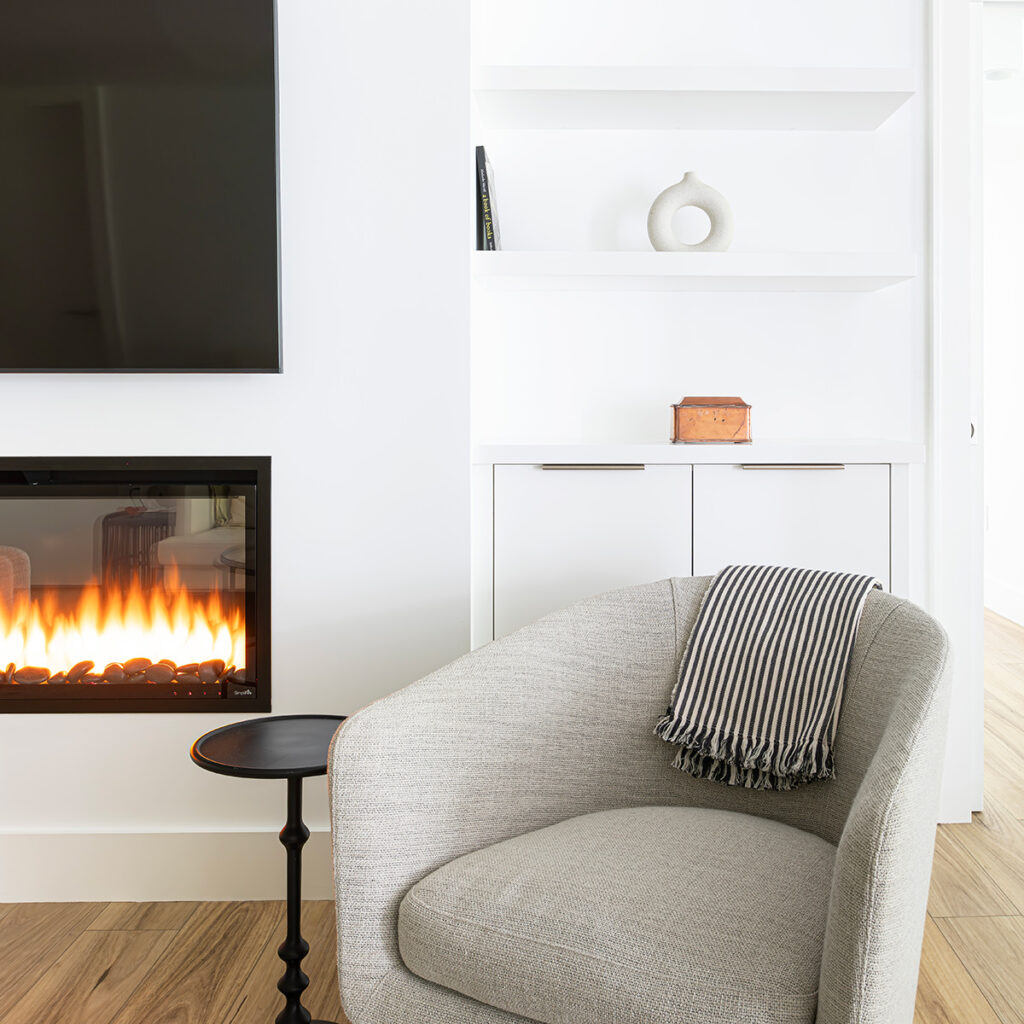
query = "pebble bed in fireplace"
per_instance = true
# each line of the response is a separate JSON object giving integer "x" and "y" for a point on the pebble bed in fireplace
{"x": 135, "y": 671}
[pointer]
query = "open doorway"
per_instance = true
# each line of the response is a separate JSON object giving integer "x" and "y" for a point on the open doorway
{"x": 975, "y": 927}
{"x": 1003, "y": 305}
{"x": 976, "y": 907}
{"x": 1003, "y": 334}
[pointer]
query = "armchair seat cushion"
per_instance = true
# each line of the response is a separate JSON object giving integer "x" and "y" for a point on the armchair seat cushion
{"x": 649, "y": 914}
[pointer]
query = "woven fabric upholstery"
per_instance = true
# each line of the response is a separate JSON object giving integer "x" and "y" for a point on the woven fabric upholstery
{"x": 557, "y": 721}
{"x": 667, "y": 915}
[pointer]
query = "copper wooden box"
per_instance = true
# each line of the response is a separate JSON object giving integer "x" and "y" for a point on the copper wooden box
{"x": 711, "y": 421}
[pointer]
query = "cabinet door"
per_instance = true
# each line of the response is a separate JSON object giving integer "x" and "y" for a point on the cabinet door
{"x": 811, "y": 517}
{"x": 565, "y": 534}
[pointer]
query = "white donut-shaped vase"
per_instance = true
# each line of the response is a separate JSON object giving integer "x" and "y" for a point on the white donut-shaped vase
{"x": 691, "y": 191}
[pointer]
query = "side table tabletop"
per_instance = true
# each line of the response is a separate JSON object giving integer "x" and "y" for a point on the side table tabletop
{"x": 290, "y": 747}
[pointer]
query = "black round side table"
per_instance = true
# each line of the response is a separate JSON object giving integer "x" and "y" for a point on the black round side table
{"x": 288, "y": 747}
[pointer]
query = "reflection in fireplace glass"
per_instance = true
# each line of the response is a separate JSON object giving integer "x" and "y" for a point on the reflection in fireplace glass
{"x": 121, "y": 590}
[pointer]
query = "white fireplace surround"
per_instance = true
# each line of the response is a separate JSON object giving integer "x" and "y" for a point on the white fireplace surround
{"x": 110, "y": 806}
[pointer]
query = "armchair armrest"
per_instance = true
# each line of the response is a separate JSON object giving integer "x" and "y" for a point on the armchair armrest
{"x": 553, "y": 721}
{"x": 879, "y": 896}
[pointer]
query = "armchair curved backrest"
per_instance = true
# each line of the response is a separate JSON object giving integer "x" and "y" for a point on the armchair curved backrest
{"x": 893, "y": 679}
{"x": 557, "y": 720}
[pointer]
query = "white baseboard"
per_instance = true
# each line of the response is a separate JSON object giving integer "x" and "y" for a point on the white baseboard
{"x": 953, "y": 810}
{"x": 143, "y": 866}
{"x": 1005, "y": 599}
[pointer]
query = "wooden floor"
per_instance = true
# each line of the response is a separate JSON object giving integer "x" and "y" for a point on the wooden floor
{"x": 157, "y": 963}
{"x": 216, "y": 963}
{"x": 972, "y": 964}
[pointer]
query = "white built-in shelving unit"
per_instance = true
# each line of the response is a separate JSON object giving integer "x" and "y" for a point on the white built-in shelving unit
{"x": 583, "y": 336}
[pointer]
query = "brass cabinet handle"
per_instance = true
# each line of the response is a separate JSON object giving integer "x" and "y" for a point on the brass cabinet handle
{"x": 792, "y": 465}
{"x": 593, "y": 465}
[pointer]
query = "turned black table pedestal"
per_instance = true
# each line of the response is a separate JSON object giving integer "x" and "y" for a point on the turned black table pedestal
{"x": 288, "y": 747}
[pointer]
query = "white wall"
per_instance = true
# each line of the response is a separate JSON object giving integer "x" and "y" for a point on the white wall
{"x": 1004, "y": 308}
{"x": 368, "y": 426}
{"x": 368, "y": 431}
{"x": 711, "y": 33}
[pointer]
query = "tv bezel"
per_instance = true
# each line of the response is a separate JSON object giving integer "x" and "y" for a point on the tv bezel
{"x": 233, "y": 370}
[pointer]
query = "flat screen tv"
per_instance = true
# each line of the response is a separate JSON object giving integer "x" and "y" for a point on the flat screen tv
{"x": 138, "y": 186}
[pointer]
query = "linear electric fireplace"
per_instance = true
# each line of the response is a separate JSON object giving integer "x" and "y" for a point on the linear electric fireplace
{"x": 134, "y": 584}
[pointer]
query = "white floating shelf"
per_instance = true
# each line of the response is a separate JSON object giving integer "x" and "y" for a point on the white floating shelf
{"x": 697, "y": 98}
{"x": 693, "y": 271}
{"x": 803, "y": 451}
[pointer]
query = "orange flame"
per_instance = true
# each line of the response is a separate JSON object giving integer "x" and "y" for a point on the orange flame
{"x": 107, "y": 626}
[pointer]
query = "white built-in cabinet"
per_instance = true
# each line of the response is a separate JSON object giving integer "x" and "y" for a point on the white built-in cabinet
{"x": 819, "y": 516}
{"x": 554, "y": 532}
{"x": 562, "y": 533}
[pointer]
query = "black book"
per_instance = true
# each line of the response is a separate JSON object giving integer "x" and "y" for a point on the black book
{"x": 487, "y": 235}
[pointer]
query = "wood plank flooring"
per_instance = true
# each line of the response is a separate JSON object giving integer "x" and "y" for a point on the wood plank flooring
{"x": 972, "y": 962}
{"x": 157, "y": 963}
{"x": 217, "y": 963}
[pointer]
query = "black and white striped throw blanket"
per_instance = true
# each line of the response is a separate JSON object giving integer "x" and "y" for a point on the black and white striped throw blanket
{"x": 760, "y": 685}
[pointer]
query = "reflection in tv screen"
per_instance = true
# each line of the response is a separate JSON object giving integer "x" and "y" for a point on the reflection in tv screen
{"x": 138, "y": 186}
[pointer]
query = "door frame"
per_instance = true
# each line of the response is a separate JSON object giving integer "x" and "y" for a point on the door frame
{"x": 955, "y": 477}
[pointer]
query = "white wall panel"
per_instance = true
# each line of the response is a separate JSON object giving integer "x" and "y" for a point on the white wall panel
{"x": 801, "y": 33}
{"x": 368, "y": 429}
{"x": 604, "y": 367}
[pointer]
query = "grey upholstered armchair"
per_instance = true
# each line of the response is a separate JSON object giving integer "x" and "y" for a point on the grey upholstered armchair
{"x": 510, "y": 840}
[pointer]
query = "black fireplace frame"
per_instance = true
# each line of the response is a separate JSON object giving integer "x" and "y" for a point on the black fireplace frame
{"x": 172, "y": 470}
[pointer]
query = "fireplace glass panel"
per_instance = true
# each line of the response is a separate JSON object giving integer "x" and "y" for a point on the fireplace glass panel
{"x": 130, "y": 591}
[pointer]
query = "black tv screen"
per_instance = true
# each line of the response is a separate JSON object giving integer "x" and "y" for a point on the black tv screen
{"x": 138, "y": 185}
